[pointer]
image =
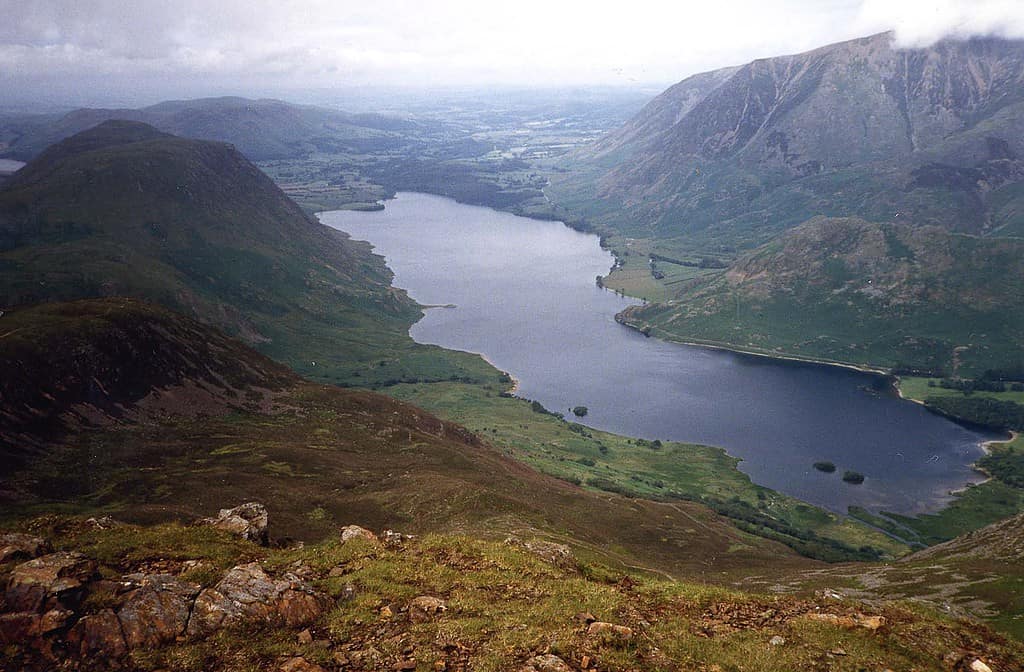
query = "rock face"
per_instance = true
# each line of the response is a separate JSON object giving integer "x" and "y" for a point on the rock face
{"x": 15, "y": 546}
{"x": 249, "y": 521}
{"x": 247, "y": 593}
{"x": 49, "y": 581}
{"x": 98, "y": 635}
{"x": 764, "y": 145}
{"x": 157, "y": 611}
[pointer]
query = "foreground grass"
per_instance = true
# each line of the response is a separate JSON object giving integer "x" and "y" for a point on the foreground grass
{"x": 505, "y": 605}
{"x": 637, "y": 468}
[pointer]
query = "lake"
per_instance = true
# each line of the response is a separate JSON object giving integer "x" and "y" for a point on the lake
{"x": 10, "y": 165}
{"x": 525, "y": 297}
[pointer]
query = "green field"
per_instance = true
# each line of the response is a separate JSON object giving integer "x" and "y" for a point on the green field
{"x": 917, "y": 388}
{"x": 666, "y": 471}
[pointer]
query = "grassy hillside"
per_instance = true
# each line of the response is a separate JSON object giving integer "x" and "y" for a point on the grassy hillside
{"x": 846, "y": 290}
{"x": 123, "y": 209}
{"x": 496, "y": 606}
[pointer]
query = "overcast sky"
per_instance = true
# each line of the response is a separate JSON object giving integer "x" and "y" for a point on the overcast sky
{"x": 77, "y": 48}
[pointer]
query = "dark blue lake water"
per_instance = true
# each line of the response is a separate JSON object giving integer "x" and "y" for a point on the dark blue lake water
{"x": 526, "y": 299}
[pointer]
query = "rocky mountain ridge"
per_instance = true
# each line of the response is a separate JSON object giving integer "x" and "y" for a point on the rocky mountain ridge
{"x": 858, "y": 128}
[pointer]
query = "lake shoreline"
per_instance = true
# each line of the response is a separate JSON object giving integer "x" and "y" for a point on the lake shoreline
{"x": 728, "y": 347}
{"x": 672, "y": 390}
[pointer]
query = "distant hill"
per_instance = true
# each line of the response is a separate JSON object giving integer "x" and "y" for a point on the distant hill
{"x": 726, "y": 159}
{"x": 852, "y": 291}
{"x": 123, "y": 209}
{"x": 260, "y": 129}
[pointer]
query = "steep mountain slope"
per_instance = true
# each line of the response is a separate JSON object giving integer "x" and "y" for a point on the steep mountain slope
{"x": 847, "y": 290}
{"x": 122, "y": 209}
{"x": 145, "y": 414}
{"x": 260, "y": 129}
{"x": 933, "y": 136}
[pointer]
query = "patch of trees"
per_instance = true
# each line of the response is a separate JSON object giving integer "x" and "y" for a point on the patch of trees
{"x": 580, "y": 429}
{"x": 827, "y": 467}
{"x": 982, "y": 411}
{"x": 1006, "y": 466}
{"x": 579, "y": 411}
{"x": 703, "y": 262}
{"x": 904, "y": 369}
{"x": 1014, "y": 373}
{"x": 854, "y": 477}
{"x": 538, "y": 407}
{"x": 970, "y": 385}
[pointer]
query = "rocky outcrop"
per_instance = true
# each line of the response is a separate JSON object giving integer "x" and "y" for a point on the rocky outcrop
{"x": 157, "y": 610}
{"x": 249, "y": 521}
{"x": 97, "y": 635}
{"x": 247, "y": 593}
{"x": 425, "y": 608}
{"x": 48, "y": 582}
{"x": 350, "y": 532}
{"x": 17, "y": 546}
{"x": 44, "y": 608}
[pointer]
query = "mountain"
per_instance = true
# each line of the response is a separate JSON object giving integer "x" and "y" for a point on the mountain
{"x": 123, "y": 209}
{"x": 260, "y": 129}
{"x": 727, "y": 159}
{"x": 846, "y": 290}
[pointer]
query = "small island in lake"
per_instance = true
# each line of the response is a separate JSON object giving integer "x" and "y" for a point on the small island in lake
{"x": 854, "y": 477}
{"x": 827, "y": 467}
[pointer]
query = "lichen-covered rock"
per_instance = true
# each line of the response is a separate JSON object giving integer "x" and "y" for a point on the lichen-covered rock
{"x": 559, "y": 555}
{"x": 300, "y": 664}
{"x": 350, "y": 532}
{"x": 98, "y": 636}
{"x": 299, "y": 607}
{"x": 618, "y": 634}
{"x": 425, "y": 607}
{"x": 545, "y": 663}
{"x": 249, "y": 521}
{"x": 157, "y": 610}
{"x": 248, "y": 593}
{"x": 17, "y": 546}
{"x": 49, "y": 581}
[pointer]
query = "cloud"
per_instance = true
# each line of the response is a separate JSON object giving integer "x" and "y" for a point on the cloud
{"x": 324, "y": 43}
{"x": 920, "y": 23}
